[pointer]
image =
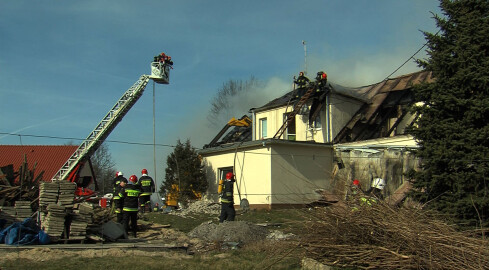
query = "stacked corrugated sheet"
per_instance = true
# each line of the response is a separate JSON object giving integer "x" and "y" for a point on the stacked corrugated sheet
{"x": 23, "y": 209}
{"x": 9, "y": 214}
{"x": 81, "y": 218}
{"x": 54, "y": 222}
{"x": 48, "y": 193}
{"x": 66, "y": 193}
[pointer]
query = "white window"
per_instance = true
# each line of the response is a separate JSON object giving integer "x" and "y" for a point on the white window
{"x": 317, "y": 122}
{"x": 263, "y": 128}
{"x": 290, "y": 128}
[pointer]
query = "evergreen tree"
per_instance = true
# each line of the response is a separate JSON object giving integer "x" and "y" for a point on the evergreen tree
{"x": 185, "y": 170}
{"x": 453, "y": 130}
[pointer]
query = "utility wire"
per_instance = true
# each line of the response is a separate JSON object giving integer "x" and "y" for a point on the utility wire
{"x": 411, "y": 57}
{"x": 79, "y": 139}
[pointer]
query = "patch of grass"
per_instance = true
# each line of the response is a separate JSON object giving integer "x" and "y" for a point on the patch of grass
{"x": 291, "y": 220}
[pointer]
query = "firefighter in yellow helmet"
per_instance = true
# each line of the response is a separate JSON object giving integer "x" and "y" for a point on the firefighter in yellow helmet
{"x": 227, "y": 199}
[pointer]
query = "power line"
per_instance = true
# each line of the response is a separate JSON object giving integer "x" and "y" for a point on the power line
{"x": 411, "y": 57}
{"x": 79, "y": 139}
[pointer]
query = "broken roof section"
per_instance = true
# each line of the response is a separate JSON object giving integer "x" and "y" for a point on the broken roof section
{"x": 289, "y": 97}
{"x": 382, "y": 102}
{"x": 236, "y": 130}
{"x": 388, "y": 100}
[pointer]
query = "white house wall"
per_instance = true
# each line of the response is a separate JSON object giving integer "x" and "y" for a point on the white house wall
{"x": 273, "y": 173}
{"x": 252, "y": 169}
{"x": 298, "y": 171}
{"x": 336, "y": 116}
{"x": 275, "y": 120}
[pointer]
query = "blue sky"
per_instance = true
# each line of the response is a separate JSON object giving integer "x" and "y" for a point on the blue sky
{"x": 64, "y": 64}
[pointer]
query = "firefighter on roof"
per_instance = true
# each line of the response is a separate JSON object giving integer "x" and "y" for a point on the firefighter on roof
{"x": 301, "y": 83}
{"x": 321, "y": 81}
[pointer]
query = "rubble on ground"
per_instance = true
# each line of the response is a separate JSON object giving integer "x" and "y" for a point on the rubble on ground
{"x": 200, "y": 207}
{"x": 234, "y": 231}
{"x": 279, "y": 235}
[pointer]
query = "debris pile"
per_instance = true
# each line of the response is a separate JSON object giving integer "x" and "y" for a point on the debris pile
{"x": 235, "y": 231}
{"x": 23, "y": 210}
{"x": 62, "y": 218}
{"x": 379, "y": 236}
{"x": 8, "y": 214}
{"x": 19, "y": 185}
{"x": 200, "y": 207}
{"x": 19, "y": 212}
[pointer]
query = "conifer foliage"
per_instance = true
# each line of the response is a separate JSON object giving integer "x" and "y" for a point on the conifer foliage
{"x": 184, "y": 169}
{"x": 453, "y": 127}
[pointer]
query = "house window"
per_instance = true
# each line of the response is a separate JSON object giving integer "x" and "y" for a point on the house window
{"x": 223, "y": 171}
{"x": 317, "y": 122}
{"x": 290, "y": 128}
{"x": 263, "y": 128}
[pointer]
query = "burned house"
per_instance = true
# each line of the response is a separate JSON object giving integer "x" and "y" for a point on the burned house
{"x": 290, "y": 153}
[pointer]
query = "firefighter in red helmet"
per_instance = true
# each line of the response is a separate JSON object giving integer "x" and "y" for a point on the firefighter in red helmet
{"x": 129, "y": 202}
{"x": 227, "y": 199}
{"x": 321, "y": 81}
{"x": 147, "y": 189}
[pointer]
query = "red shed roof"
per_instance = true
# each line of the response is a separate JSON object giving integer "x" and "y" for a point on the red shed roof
{"x": 49, "y": 158}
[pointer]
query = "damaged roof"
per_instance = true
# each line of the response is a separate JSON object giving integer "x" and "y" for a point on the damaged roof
{"x": 234, "y": 131}
{"x": 289, "y": 97}
{"x": 381, "y": 103}
{"x": 387, "y": 100}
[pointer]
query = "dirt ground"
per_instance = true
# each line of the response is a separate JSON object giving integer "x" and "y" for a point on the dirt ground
{"x": 207, "y": 236}
{"x": 46, "y": 254}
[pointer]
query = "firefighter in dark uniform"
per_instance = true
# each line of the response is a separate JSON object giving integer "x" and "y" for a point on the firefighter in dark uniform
{"x": 227, "y": 199}
{"x": 321, "y": 81}
{"x": 147, "y": 188}
{"x": 119, "y": 177}
{"x": 129, "y": 202}
{"x": 301, "y": 83}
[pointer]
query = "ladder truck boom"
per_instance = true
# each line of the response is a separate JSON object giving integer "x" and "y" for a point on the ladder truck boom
{"x": 159, "y": 73}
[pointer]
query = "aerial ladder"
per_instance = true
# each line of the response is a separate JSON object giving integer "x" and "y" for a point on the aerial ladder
{"x": 296, "y": 110}
{"x": 160, "y": 73}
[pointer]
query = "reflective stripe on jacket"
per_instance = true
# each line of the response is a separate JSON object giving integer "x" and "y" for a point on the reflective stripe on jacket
{"x": 130, "y": 196}
{"x": 147, "y": 185}
{"x": 227, "y": 192}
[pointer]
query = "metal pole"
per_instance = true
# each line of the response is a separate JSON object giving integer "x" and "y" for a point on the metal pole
{"x": 154, "y": 143}
{"x": 305, "y": 57}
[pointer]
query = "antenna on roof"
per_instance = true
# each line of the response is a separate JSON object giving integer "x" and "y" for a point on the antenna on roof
{"x": 305, "y": 57}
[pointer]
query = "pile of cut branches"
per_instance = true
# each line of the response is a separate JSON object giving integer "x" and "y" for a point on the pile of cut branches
{"x": 379, "y": 236}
